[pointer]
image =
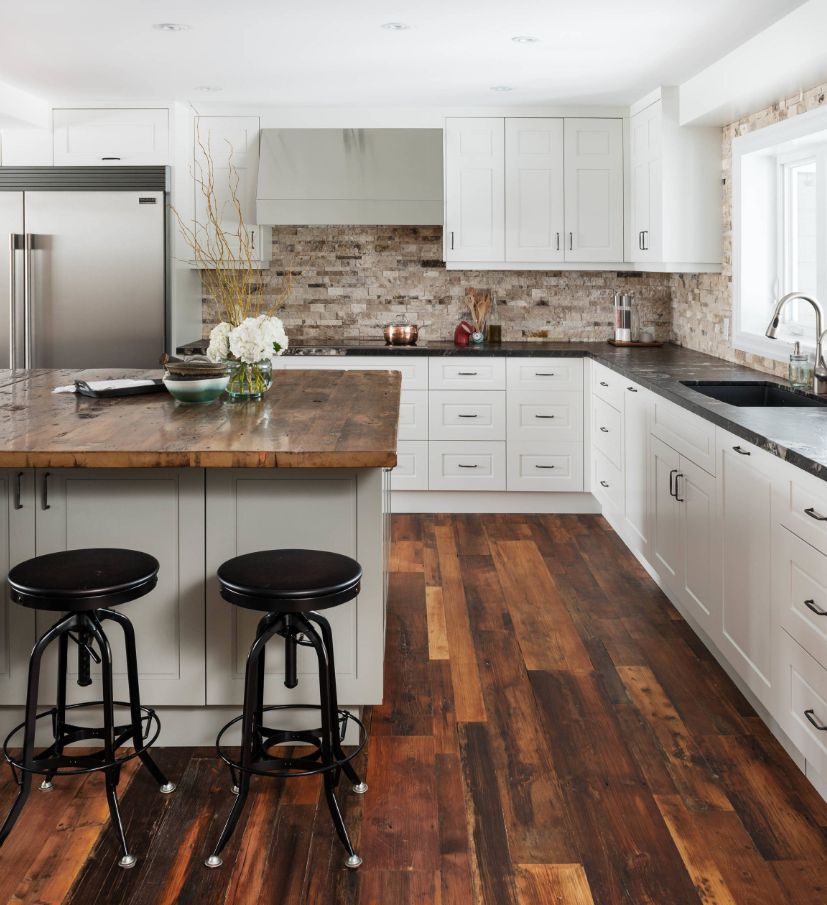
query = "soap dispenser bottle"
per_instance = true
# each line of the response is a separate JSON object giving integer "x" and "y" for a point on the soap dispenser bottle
{"x": 800, "y": 371}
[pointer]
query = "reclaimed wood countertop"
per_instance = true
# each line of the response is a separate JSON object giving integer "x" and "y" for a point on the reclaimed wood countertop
{"x": 308, "y": 419}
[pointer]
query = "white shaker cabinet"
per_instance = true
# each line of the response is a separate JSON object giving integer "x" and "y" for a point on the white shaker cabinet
{"x": 534, "y": 212}
{"x": 645, "y": 166}
{"x": 637, "y": 408}
{"x": 17, "y": 626}
{"x": 157, "y": 511}
{"x": 594, "y": 190}
{"x": 746, "y": 481}
{"x": 120, "y": 137}
{"x": 665, "y": 525}
{"x": 475, "y": 189}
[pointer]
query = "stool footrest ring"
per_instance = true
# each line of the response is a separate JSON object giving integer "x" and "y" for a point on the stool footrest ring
{"x": 266, "y": 764}
{"x": 52, "y": 760}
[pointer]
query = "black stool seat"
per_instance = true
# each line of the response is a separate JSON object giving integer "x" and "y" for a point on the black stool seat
{"x": 289, "y": 581}
{"x": 76, "y": 580}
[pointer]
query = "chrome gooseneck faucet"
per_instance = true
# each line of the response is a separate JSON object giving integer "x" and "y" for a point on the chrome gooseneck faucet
{"x": 820, "y": 370}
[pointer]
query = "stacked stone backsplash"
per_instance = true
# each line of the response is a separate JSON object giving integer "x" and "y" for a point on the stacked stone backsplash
{"x": 349, "y": 281}
{"x": 702, "y": 302}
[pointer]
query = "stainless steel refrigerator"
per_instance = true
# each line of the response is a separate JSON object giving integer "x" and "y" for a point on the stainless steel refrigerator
{"x": 84, "y": 274}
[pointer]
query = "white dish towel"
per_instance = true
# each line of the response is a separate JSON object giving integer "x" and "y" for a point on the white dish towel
{"x": 98, "y": 385}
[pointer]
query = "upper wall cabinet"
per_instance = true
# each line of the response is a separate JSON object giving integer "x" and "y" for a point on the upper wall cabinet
{"x": 594, "y": 189}
{"x": 534, "y": 213}
{"x": 101, "y": 137}
{"x": 532, "y": 191}
{"x": 675, "y": 183}
{"x": 475, "y": 189}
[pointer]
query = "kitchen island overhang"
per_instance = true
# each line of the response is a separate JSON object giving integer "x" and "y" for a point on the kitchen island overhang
{"x": 194, "y": 485}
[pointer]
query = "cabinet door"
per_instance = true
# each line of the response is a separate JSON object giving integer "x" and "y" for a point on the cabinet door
{"x": 534, "y": 189}
{"x": 746, "y": 630}
{"x": 636, "y": 411}
{"x": 157, "y": 511}
{"x": 666, "y": 516}
{"x": 101, "y": 137}
{"x": 341, "y": 511}
{"x": 594, "y": 189}
{"x": 647, "y": 226}
{"x": 475, "y": 189}
{"x": 696, "y": 492}
{"x": 17, "y": 628}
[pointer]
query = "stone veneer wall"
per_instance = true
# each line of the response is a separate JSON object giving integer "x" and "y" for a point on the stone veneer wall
{"x": 701, "y": 302}
{"x": 348, "y": 281}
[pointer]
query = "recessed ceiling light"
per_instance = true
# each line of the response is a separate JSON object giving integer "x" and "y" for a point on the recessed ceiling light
{"x": 395, "y": 26}
{"x": 207, "y": 88}
{"x": 170, "y": 26}
{"x": 501, "y": 88}
{"x": 525, "y": 39}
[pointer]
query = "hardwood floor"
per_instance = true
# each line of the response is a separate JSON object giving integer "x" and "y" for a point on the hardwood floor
{"x": 553, "y": 732}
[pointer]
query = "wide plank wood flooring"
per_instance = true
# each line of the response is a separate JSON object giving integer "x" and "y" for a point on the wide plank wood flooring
{"x": 553, "y": 734}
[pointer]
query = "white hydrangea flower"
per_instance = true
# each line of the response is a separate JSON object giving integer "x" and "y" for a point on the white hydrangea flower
{"x": 219, "y": 347}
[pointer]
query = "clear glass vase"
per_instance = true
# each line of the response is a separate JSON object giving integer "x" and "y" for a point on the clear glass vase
{"x": 249, "y": 381}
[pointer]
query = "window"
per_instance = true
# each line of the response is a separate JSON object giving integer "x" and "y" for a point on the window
{"x": 779, "y": 230}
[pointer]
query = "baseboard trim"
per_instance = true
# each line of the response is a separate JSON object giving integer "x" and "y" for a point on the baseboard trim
{"x": 466, "y": 501}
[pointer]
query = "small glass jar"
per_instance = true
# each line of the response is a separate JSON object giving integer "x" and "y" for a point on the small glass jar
{"x": 800, "y": 370}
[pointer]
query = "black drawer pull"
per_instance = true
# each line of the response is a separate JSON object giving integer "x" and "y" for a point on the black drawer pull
{"x": 813, "y": 514}
{"x": 605, "y": 430}
{"x": 631, "y": 389}
{"x": 742, "y": 452}
{"x": 544, "y": 466}
{"x": 544, "y": 373}
{"x": 469, "y": 416}
{"x": 18, "y": 490}
{"x": 468, "y": 466}
{"x": 672, "y": 474}
{"x": 811, "y": 605}
{"x": 544, "y": 416}
{"x": 679, "y": 498}
{"x": 44, "y": 492}
{"x": 810, "y": 714}
{"x": 603, "y": 383}
{"x": 603, "y": 484}
{"x": 467, "y": 373}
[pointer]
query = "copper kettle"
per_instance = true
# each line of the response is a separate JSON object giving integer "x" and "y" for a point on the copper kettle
{"x": 401, "y": 332}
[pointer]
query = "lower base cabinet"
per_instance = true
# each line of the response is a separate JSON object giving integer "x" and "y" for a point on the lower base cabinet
{"x": 342, "y": 511}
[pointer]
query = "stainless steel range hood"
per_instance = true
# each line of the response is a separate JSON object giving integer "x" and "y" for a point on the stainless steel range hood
{"x": 350, "y": 177}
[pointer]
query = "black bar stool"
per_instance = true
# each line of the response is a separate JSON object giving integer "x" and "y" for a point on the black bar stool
{"x": 80, "y": 583}
{"x": 289, "y": 586}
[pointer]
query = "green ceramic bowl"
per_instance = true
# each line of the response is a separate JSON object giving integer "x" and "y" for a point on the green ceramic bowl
{"x": 201, "y": 390}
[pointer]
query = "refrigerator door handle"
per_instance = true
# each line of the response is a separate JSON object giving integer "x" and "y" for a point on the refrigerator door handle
{"x": 14, "y": 241}
{"x": 28, "y": 241}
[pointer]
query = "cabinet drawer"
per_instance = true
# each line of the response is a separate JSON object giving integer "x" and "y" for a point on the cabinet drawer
{"x": 799, "y": 576}
{"x": 553, "y": 416}
{"x": 800, "y": 504}
{"x": 560, "y": 374}
{"x": 414, "y": 371}
{"x": 466, "y": 466}
{"x": 608, "y": 385}
{"x": 477, "y": 373}
{"x": 413, "y": 415}
{"x": 801, "y": 700}
{"x": 545, "y": 466}
{"x": 607, "y": 482}
{"x": 690, "y": 435}
{"x": 411, "y": 472}
{"x": 461, "y": 415}
{"x": 607, "y": 431}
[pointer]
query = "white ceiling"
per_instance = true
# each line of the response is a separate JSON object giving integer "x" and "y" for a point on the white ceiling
{"x": 332, "y": 52}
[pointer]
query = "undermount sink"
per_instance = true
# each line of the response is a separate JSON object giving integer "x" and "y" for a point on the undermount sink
{"x": 756, "y": 394}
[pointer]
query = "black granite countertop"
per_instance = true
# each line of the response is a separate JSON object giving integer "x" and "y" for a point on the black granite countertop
{"x": 797, "y": 435}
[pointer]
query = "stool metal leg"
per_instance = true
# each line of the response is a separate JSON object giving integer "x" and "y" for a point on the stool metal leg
{"x": 146, "y": 758}
{"x": 330, "y": 730}
{"x": 58, "y": 630}
{"x": 60, "y": 708}
{"x": 127, "y": 860}
{"x": 358, "y": 785}
{"x": 248, "y": 726}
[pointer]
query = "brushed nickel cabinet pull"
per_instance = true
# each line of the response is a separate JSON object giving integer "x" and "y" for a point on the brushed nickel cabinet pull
{"x": 742, "y": 452}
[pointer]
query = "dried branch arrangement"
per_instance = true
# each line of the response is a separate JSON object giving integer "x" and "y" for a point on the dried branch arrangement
{"x": 222, "y": 247}
{"x": 479, "y": 305}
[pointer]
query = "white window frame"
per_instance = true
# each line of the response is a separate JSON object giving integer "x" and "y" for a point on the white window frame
{"x": 799, "y": 128}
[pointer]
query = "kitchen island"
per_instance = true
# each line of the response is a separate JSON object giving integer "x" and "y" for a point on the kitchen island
{"x": 193, "y": 486}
